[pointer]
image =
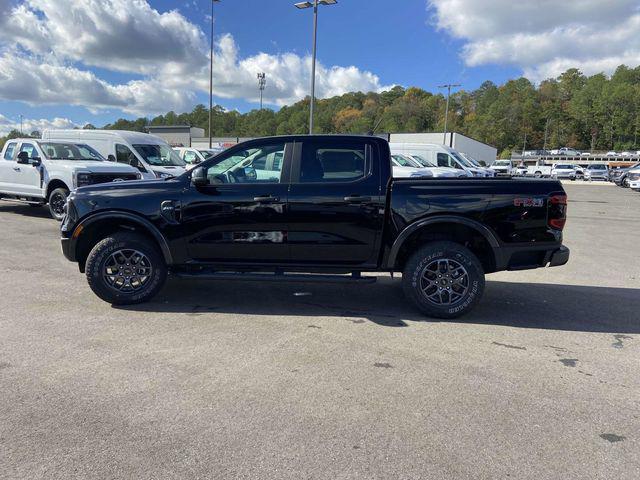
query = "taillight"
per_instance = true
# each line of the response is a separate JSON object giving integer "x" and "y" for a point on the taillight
{"x": 557, "y": 211}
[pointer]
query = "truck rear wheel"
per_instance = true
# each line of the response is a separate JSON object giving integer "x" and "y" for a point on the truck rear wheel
{"x": 57, "y": 200}
{"x": 126, "y": 269}
{"x": 444, "y": 280}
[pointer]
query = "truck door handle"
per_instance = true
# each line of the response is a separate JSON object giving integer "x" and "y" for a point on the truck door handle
{"x": 266, "y": 199}
{"x": 357, "y": 199}
{"x": 17, "y": 169}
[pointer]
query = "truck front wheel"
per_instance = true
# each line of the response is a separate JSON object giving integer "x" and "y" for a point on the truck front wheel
{"x": 57, "y": 199}
{"x": 444, "y": 280}
{"x": 126, "y": 269}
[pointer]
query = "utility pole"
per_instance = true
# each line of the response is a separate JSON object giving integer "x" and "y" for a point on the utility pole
{"x": 301, "y": 6}
{"x": 524, "y": 145}
{"x": 262, "y": 83}
{"x": 546, "y": 134}
{"x": 211, "y": 75}
{"x": 21, "y": 117}
{"x": 448, "y": 86}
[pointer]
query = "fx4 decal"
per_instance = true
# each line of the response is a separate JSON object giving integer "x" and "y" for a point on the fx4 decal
{"x": 528, "y": 202}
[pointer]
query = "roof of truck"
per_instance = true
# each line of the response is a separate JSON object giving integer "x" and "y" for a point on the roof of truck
{"x": 126, "y": 135}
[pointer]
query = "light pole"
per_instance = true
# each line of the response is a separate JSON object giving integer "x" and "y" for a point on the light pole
{"x": 448, "y": 86}
{"x": 211, "y": 74}
{"x": 21, "y": 117}
{"x": 314, "y": 4}
{"x": 262, "y": 83}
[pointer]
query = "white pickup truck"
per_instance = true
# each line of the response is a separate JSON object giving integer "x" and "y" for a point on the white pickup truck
{"x": 40, "y": 172}
{"x": 540, "y": 170}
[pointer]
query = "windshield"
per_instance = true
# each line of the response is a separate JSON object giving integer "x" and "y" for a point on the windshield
{"x": 159, "y": 155}
{"x": 597, "y": 167}
{"x": 564, "y": 167}
{"x": 471, "y": 160}
{"x": 501, "y": 164}
{"x": 70, "y": 151}
{"x": 405, "y": 161}
{"x": 462, "y": 160}
{"x": 423, "y": 161}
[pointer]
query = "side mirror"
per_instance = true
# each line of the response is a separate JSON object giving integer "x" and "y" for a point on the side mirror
{"x": 199, "y": 177}
{"x": 111, "y": 158}
{"x": 250, "y": 174}
{"x": 23, "y": 158}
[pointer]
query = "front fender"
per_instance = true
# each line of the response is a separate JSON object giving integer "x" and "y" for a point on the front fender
{"x": 122, "y": 215}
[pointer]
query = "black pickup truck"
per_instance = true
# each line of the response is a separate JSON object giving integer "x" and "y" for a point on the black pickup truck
{"x": 313, "y": 208}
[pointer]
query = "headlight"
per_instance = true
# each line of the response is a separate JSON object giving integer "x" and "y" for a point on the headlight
{"x": 162, "y": 174}
{"x": 83, "y": 179}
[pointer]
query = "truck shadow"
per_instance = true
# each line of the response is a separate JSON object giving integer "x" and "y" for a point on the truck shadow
{"x": 26, "y": 210}
{"x": 521, "y": 305}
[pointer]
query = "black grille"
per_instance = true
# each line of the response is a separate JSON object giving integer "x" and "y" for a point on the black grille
{"x": 110, "y": 177}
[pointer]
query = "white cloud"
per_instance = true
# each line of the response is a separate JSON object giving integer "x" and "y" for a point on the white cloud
{"x": 28, "y": 79}
{"x": 544, "y": 37}
{"x": 30, "y": 125}
{"x": 47, "y": 49}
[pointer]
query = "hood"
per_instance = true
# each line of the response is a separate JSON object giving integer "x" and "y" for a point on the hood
{"x": 445, "y": 172}
{"x": 129, "y": 187}
{"x": 172, "y": 170}
{"x": 404, "y": 172}
{"x": 91, "y": 166}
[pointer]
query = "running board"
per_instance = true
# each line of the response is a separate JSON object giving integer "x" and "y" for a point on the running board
{"x": 22, "y": 200}
{"x": 278, "y": 277}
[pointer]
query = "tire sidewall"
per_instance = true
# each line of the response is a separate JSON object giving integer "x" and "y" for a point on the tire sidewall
{"x": 445, "y": 250}
{"x": 103, "y": 251}
{"x": 65, "y": 193}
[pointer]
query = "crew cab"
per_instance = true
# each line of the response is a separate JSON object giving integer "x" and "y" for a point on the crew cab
{"x": 40, "y": 172}
{"x": 330, "y": 210}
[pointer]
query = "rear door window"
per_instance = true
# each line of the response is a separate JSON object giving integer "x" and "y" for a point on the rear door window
{"x": 328, "y": 162}
{"x": 8, "y": 153}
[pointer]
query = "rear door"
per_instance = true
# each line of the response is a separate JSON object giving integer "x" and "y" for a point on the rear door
{"x": 7, "y": 168}
{"x": 336, "y": 202}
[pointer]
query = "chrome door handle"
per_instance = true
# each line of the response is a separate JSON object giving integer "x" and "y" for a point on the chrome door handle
{"x": 357, "y": 199}
{"x": 266, "y": 199}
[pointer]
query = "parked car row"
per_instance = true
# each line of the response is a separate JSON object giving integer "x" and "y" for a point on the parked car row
{"x": 627, "y": 177}
{"x": 572, "y": 152}
{"x": 45, "y": 171}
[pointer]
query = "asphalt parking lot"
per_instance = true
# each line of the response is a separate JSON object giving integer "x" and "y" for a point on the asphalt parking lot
{"x": 246, "y": 380}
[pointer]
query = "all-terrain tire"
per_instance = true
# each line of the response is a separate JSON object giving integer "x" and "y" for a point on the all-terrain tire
{"x": 462, "y": 294}
{"x": 119, "y": 246}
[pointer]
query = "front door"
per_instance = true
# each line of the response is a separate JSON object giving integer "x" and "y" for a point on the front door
{"x": 239, "y": 216}
{"x": 27, "y": 177}
{"x": 336, "y": 203}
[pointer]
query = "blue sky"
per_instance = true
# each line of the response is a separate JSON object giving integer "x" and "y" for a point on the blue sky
{"x": 135, "y": 58}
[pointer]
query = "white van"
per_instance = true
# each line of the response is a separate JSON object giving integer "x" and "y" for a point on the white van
{"x": 151, "y": 155}
{"x": 439, "y": 155}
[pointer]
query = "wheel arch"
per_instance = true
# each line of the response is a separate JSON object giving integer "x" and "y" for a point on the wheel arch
{"x": 53, "y": 184}
{"x": 98, "y": 226}
{"x": 482, "y": 241}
